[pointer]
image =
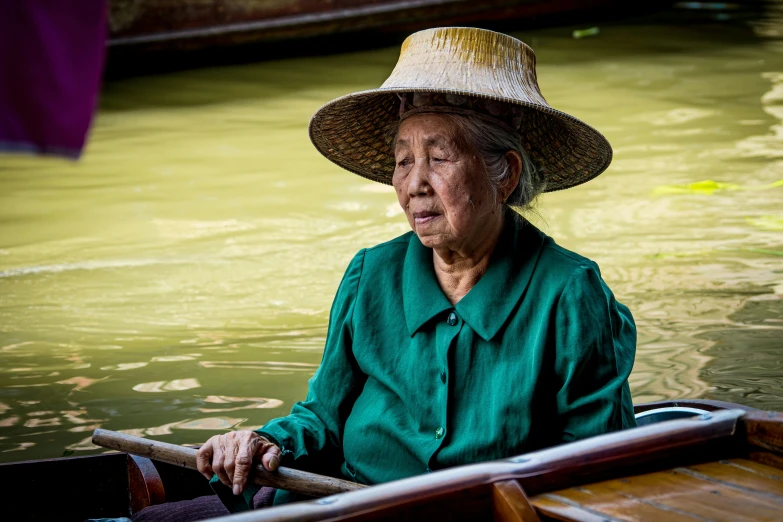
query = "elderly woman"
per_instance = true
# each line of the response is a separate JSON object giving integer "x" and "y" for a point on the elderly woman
{"x": 474, "y": 336}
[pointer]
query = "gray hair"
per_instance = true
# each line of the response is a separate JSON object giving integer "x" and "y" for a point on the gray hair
{"x": 491, "y": 143}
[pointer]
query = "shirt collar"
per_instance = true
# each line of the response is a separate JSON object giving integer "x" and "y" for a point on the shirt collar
{"x": 488, "y": 304}
{"x": 422, "y": 297}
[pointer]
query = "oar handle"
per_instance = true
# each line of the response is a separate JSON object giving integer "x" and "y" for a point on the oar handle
{"x": 292, "y": 480}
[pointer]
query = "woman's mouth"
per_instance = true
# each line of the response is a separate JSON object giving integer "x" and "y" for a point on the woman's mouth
{"x": 424, "y": 217}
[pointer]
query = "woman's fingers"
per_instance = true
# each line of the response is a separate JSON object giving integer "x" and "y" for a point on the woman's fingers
{"x": 244, "y": 461}
{"x": 231, "y": 456}
{"x": 271, "y": 457}
{"x": 218, "y": 462}
{"x": 204, "y": 459}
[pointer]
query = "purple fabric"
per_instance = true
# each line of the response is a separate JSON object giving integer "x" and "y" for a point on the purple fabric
{"x": 51, "y": 62}
{"x": 200, "y": 508}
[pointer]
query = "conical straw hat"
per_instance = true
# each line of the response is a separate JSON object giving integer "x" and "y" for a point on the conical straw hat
{"x": 351, "y": 130}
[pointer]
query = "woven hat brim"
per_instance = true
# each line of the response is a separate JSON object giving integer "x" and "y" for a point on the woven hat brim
{"x": 351, "y": 131}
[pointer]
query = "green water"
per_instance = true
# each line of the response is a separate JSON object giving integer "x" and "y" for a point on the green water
{"x": 177, "y": 280}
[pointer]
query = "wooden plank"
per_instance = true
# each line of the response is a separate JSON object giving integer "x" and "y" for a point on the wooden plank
{"x": 767, "y": 471}
{"x": 736, "y": 473}
{"x": 764, "y": 429}
{"x": 557, "y": 508}
{"x": 602, "y": 500}
{"x": 767, "y": 458}
{"x": 703, "y": 498}
{"x": 510, "y": 504}
{"x": 675, "y": 495}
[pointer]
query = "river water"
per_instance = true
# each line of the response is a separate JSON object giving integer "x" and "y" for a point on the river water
{"x": 177, "y": 280}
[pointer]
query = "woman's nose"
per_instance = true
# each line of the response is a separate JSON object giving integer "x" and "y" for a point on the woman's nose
{"x": 419, "y": 179}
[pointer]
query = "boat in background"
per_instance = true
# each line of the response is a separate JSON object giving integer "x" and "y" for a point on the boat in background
{"x": 198, "y": 24}
{"x": 693, "y": 459}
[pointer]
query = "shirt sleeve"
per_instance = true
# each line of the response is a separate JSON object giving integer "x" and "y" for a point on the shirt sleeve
{"x": 313, "y": 431}
{"x": 595, "y": 349}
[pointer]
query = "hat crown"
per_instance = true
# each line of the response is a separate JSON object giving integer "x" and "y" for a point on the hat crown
{"x": 467, "y": 60}
{"x": 353, "y": 130}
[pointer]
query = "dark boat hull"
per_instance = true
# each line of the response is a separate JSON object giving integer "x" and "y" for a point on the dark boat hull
{"x": 97, "y": 486}
{"x": 193, "y": 24}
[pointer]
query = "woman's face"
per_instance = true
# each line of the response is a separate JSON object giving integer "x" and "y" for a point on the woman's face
{"x": 441, "y": 186}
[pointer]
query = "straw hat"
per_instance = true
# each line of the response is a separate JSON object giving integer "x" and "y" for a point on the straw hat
{"x": 466, "y": 62}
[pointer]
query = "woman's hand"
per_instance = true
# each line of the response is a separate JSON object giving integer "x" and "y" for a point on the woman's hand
{"x": 230, "y": 457}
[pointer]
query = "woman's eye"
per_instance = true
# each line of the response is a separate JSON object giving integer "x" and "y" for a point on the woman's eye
{"x": 404, "y": 162}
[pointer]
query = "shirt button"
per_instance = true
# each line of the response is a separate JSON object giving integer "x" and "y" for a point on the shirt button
{"x": 452, "y": 319}
{"x": 443, "y": 377}
{"x": 440, "y": 432}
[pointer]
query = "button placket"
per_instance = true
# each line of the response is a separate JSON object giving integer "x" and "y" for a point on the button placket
{"x": 446, "y": 338}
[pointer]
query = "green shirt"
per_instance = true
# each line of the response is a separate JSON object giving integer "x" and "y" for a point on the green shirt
{"x": 538, "y": 353}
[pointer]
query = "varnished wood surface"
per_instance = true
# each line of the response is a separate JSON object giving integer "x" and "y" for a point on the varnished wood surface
{"x": 764, "y": 430}
{"x": 611, "y": 455}
{"x": 510, "y": 503}
{"x": 145, "y": 487}
{"x": 729, "y": 490}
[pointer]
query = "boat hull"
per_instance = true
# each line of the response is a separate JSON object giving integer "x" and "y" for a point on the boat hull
{"x": 195, "y": 24}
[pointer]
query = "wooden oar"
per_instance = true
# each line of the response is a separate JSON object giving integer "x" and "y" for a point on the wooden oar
{"x": 293, "y": 480}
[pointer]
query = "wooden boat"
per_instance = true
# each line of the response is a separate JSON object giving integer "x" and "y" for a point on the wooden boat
{"x": 166, "y": 24}
{"x": 724, "y": 464}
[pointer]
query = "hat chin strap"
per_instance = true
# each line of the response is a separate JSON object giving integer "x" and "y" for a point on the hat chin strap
{"x": 406, "y": 112}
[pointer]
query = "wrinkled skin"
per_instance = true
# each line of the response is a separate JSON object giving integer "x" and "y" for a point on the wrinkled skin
{"x": 230, "y": 456}
{"x": 442, "y": 187}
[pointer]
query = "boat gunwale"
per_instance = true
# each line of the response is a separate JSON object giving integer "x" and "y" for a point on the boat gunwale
{"x": 591, "y": 457}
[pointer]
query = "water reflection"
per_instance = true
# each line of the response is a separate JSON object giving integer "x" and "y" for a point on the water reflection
{"x": 164, "y": 386}
{"x": 177, "y": 282}
{"x": 207, "y": 424}
{"x": 124, "y": 366}
{"x": 261, "y": 365}
{"x": 252, "y": 403}
{"x": 174, "y": 358}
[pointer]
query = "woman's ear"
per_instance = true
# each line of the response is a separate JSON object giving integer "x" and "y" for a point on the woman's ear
{"x": 514, "y": 161}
